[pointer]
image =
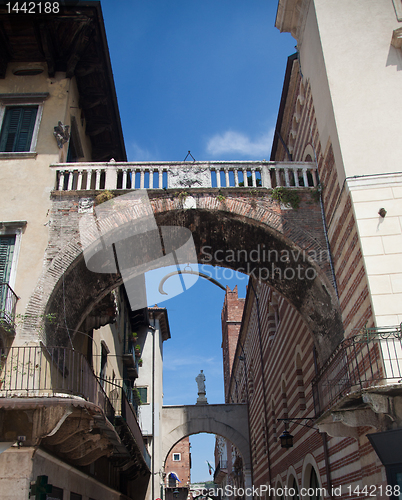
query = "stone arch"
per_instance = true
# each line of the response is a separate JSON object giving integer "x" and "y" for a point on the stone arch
{"x": 229, "y": 421}
{"x": 292, "y": 474}
{"x": 308, "y": 153}
{"x": 243, "y": 220}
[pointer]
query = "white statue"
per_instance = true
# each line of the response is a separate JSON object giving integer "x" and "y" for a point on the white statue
{"x": 200, "y": 379}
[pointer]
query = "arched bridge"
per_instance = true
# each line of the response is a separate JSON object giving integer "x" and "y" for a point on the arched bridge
{"x": 228, "y": 209}
{"x": 227, "y": 420}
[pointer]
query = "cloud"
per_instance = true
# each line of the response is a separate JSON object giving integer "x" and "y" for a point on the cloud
{"x": 176, "y": 363}
{"x": 136, "y": 153}
{"x": 239, "y": 143}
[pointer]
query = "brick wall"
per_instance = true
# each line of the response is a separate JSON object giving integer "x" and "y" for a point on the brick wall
{"x": 180, "y": 467}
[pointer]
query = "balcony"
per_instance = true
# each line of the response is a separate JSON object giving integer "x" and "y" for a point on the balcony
{"x": 130, "y": 359}
{"x": 61, "y": 379}
{"x": 174, "y": 175}
{"x": 361, "y": 374}
{"x": 8, "y": 304}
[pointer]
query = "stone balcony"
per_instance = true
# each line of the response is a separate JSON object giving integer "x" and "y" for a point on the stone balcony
{"x": 361, "y": 384}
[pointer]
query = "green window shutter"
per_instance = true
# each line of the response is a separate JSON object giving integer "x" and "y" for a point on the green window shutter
{"x": 17, "y": 129}
{"x": 7, "y": 244}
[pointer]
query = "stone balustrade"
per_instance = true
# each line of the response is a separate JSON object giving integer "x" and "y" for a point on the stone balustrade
{"x": 181, "y": 175}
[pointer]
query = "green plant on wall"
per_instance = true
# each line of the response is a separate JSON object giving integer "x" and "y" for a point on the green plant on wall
{"x": 316, "y": 193}
{"x": 136, "y": 396}
{"x": 182, "y": 196}
{"x": 103, "y": 196}
{"x": 287, "y": 197}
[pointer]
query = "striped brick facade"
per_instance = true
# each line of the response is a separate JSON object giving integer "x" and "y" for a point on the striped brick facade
{"x": 281, "y": 387}
{"x": 299, "y": 130}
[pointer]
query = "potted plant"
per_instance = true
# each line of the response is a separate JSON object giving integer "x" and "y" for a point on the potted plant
{"x": 140, "y": 362}
{"x": 137, "y": 350}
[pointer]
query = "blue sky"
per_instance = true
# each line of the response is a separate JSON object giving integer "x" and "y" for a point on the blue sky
{"x": 205, "y": 76}
{"x": 199, "y": 75}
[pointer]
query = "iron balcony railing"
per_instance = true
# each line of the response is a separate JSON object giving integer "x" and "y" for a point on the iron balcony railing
{"x": 40, "y": 371}
{"x": 174, "y": 175}
{"x": 371, "y": 358}
{"x": 125, "y": 405}
{"x": 8, "y": 304}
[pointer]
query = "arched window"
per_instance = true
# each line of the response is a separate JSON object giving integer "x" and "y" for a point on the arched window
{"x": 314, "y": 487}
{"x": 172, "y": 480}
{"x": 294, "y": 490}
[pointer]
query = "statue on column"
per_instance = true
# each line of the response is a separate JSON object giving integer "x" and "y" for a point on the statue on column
{"x": 200, "y": 379}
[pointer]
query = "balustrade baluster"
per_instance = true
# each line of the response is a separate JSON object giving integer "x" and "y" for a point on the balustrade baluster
{"x": 245, "y": 181}
{"x": 124, "y": 181}
{"x": 305, "y": 179}
{"x": 227, "y": 177}
{"x": 287, "y": 180}
{"x": 70, "y": 180}
{"x": 253, "y": 178}
{"x": 218, "y": 178}
{"x": 236, "y": 177}
{"x": 61, "y": 180}
{"x": 278, "y": 177}
{"x": 296, "y": 176}
{"x": 79, "y": 180}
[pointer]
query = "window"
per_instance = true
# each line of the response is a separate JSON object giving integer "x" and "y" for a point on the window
{"x": 143, "y": 393}
{"x": 176, "y": 457}
{"x": 75, "y": 496}
{"x": 56, "y": 494}
{"x": 7, "y": 244}
{"x": 17, "y": 128}
{"x": 20, "y": 115}
{"x": 75, "y": 151}
{"x": 172, "y": 480}
{"x": 7, "y": 299}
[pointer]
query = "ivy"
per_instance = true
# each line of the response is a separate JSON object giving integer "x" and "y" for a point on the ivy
{"x": 287, "y": 197}
{"x": 103, "y": 196}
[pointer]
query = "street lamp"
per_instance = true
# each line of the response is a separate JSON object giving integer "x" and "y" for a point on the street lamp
{"x": 286, "y": 440}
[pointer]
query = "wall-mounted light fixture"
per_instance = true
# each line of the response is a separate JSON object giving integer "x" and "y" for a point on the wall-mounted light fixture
{"x": 286, "y": 438}
{"x": 382, "y": 212}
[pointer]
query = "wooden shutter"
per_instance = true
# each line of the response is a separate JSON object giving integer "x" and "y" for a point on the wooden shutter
{"x": 17, "y": 130}
{"x": 7, "y": 244}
